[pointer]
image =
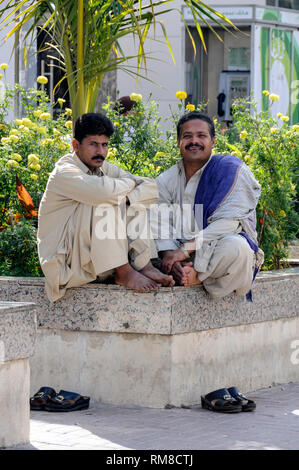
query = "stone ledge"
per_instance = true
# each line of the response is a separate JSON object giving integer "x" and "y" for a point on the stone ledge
{"x": 169, "y": 311}
{"x": 17, "y": 330}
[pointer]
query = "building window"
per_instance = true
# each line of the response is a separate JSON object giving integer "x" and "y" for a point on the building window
{"x": 292, "y": 4}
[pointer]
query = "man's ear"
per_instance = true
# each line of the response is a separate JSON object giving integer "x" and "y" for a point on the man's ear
{"x": 213, "y": 141}
{"x": 76, "y": 144}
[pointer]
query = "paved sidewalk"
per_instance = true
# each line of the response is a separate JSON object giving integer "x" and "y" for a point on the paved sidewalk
{"x": 274, "y": 425}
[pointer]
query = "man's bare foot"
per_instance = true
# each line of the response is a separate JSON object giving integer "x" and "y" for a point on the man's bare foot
{"x": 190, "y": 276}
{"x": 127, "y": 276}
{"x": 165, "y": 280}
{"x": 177, "y": 271}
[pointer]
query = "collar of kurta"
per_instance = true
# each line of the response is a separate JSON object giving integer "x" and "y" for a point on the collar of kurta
{"x": 182, "y": 168}
{"x": 85, "y": 169}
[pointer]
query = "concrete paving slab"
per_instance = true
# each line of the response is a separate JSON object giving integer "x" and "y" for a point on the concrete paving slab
{"x": 274, "y": 425}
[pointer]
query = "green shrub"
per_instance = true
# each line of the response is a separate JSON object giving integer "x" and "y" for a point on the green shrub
{"x": 270, "y": 147}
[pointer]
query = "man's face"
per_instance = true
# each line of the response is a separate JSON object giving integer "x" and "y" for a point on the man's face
{"x": 92, "y": 151}
{"x": 195, "y": 142}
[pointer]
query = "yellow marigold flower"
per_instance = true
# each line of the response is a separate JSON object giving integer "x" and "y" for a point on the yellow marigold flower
{"x": 60, "y": 145}
{"x": 190, "y": 107}
{"x": 159, "y": 154}
{"x": 295, "y": 127}
{"x": 248, "y": 158}
{"x": 47, "y": 142}
{"x": 33, "y": 176}
{"x": 69, "y": 124}
{"x": 3, "y": 66}
{"x": 266, "y": 92}
{"x": 27, "y": 122}
{"x": 279, "y": 115}
{"x": 45, "y": 116}
{"x": 116, "y": 123}
{"x": 56, "y": 131}
{"x": 35, "y": 166}
{"x": 135, "y": 97}
{"x": 5, "y": 140}
{"x": 110, "y": 155}
{"x": 273, "y": 130}
{"x": 24, "y": 128}
{"x": 282, "y": 213}
{"x": 42, "y": 130}
{"x": 32, "y": 158}
{"x": 274, "y": 97}
{"x": 18, "y": 122}
{"x": 60, "y": 102}
{"x": 181, "y": 95}
{"x": 68, "y": 111}
{"x": 42, "y": 80}
{"x": 243, "y": 134}
{"x": 14, "y": 138}
{"x": 37, "y": 113}
{"x": 14, "y": 132}
{"x": 12, "y": 164}
{"x": 1, "y": 76}
{"x": 293, "y": 187}
{"x": 16, "y": 156}
{"x": 285, "y": 118}
{"x": 112, "y": 151}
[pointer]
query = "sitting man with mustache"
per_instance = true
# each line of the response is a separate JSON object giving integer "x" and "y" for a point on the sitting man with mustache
{"x": 88, "y": 227}
{"x": 205, "y": 233}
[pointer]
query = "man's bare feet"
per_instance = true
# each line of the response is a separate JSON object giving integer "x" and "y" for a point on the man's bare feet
{"x": 165, "y": 280}
{"x": 127, "y": 276}
{"x": 190, "y": 276}
{"x": 177, "y": 271}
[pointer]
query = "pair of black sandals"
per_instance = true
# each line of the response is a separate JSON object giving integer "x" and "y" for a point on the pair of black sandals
{"x": 227, "y": 400}
{"x": 46, "y": 399}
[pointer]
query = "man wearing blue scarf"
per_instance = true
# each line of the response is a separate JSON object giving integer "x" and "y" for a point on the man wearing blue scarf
{"x": 209, "y": 238}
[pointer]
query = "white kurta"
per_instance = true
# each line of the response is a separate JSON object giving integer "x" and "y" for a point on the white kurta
{"x": 223, "y": 259}
{"x": 70, "y": 252}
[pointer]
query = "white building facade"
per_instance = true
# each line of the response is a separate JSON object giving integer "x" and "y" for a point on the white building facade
{"x": 263, "y": 54}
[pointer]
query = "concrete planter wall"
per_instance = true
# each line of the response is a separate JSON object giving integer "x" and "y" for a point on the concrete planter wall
{"x": 167, "y": 347}
{"x": 17, "y": 340}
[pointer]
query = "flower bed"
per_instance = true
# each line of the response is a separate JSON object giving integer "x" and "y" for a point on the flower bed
{"x": 30, "y": 147}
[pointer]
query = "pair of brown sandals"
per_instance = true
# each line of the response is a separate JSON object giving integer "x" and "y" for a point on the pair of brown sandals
{"x": 46, "y": 399}
{"x": 227, "y": 400}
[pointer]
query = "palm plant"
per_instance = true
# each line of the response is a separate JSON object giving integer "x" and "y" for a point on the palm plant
{"x": 87, "y": 33}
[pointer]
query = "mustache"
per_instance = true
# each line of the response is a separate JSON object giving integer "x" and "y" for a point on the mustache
{"x": 201, "y": 147}
{"x": 98, "y": 157}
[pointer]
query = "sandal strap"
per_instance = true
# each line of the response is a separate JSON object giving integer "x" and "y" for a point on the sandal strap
{"x": 44, "y": 392}
{"x": 220, "y": 394}
{"x": 234, "y": 391}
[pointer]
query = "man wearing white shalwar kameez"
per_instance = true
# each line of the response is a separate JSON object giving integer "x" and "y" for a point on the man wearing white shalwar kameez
{"x": 222, "y": 238}
{"x": 84, "y": 195}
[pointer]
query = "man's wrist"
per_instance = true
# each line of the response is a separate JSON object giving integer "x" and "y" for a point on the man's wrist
{"x": 186, "y": 252}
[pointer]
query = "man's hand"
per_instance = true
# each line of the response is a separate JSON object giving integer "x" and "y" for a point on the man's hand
{"x": 170, "y": 257}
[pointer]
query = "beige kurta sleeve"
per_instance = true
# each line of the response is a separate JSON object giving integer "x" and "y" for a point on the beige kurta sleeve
{"x": 145, "y": 190}
{"x": 74, "y": 184}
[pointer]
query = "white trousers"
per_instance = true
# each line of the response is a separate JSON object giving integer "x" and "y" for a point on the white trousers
{"x": 230, "y": 268}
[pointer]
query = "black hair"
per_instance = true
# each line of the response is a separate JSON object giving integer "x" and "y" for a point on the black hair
{"x": 195, "y": 115}
{"x": 124, "y": 105}
{"x": 92, "y": 124}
